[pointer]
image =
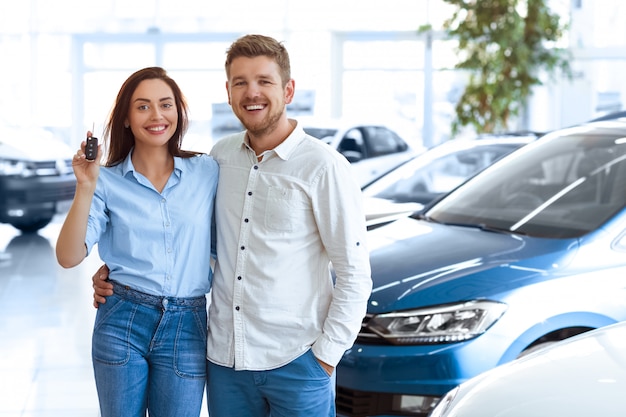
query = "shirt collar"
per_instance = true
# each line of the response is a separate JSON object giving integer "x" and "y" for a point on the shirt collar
{"x": 286, "y": 147}
{"x": 289, "y": 145}
{"x": 128, "y": 167}
{"x": 127, "y": 164}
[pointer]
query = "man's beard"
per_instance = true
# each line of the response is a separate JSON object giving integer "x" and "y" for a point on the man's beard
{"x": 265, "y": 126}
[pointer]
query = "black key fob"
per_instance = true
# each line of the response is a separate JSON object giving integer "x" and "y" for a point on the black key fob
{"x": 91, "y": 148}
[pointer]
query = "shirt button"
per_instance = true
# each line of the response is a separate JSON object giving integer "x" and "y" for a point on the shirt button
{"x": 239, "y": 278}
{"x": 256, "y": 167}
{"x": 162, "y": 200}
{"x": 249, "y": 192}
{"x": 246, "y": 220}
{"x": 237, "y": 308}
{"x": 243, "y": 247}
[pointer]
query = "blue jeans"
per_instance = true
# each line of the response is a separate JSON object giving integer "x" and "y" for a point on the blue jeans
{"x": 149, "y": 353}
{"x": 302, "y": 388}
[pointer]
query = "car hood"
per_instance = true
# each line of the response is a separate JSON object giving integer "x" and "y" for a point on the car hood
{"x": 32, "y": 144}
{"x": 416, "y": 263}
{"x": 581, "y": 376}
{"x": 380, "y": 210}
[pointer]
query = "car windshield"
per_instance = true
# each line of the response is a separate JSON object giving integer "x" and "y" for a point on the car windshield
{"x": 436, "y": 172}
{"x": 563, "y": 186}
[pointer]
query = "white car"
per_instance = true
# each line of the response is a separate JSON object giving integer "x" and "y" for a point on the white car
{"x": 431, "y": 174}
{"x": 372, "y": 149}
{"x": 579, "y": 377}
{"x": 441, "y": 168}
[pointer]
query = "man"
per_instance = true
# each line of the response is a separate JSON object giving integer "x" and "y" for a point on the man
{"x": 287, "y": 207}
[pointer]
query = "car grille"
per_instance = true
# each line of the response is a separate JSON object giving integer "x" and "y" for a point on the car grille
{"x": 56, "y": 194}
{"x": 44, "y": 194}
{"x": 48, "y": 168}
{"x": 353, "y": 403}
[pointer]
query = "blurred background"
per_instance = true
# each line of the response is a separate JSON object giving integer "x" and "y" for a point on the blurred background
{"x": 62, "y": 62}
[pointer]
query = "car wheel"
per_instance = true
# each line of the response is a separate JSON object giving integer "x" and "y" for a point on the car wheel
{"x": 31, "y": 226}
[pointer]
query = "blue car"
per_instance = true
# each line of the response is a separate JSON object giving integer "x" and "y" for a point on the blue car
{"x": 528, "y": 252}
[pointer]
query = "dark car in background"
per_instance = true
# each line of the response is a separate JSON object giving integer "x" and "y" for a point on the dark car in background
{"x": 36, "y": 177}
{"x": 528, "y": 252}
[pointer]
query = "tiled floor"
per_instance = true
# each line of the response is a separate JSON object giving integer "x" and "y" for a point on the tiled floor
{"x": 46, "y": 317}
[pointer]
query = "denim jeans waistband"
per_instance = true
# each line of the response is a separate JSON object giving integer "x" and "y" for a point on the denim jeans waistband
{"x": 130, "y": 294}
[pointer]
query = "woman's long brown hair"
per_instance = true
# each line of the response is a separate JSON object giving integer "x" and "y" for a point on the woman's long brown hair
{"x": 121, "y": 139}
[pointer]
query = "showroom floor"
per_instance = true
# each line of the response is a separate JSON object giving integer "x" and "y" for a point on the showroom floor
{"x": 46, "y": 317}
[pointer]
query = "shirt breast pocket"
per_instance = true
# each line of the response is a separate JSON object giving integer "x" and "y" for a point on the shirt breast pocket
{"x": 286, "y": 209}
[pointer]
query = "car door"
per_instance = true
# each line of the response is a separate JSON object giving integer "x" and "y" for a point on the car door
{"x": 383, "y": 151}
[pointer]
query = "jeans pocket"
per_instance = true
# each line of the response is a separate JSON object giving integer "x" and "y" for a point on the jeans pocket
{"x": 316, "y": 364}
{"x": 190, "y": 346}
{"x": 110, "y": 339}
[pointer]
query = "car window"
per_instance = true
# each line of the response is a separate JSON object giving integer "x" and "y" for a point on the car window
{"x": 320, "y": 133}
{"x": 382, "y": 141}
{"x": 422, "y": 182}
{"x": 352, "y": 143}
{"x": 562, "y": 186}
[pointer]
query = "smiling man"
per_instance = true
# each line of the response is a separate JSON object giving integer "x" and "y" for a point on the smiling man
{"x": 287, "y": 207}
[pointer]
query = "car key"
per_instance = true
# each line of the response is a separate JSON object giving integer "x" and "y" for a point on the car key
{"x": 91, "y": 148}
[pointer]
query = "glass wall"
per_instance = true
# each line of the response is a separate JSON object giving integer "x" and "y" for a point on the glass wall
{"x": 63, "y": 61}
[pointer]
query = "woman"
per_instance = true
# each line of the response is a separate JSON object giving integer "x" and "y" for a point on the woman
{"x": 149, "y": 209}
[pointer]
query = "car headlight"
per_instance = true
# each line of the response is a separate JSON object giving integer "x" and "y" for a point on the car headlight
{"x": 442, "y": 324}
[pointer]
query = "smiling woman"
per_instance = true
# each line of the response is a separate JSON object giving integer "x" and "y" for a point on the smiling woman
{"x": 148, "y": 193}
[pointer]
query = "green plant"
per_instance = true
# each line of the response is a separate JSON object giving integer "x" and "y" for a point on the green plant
{"x": 505, "y": 46}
